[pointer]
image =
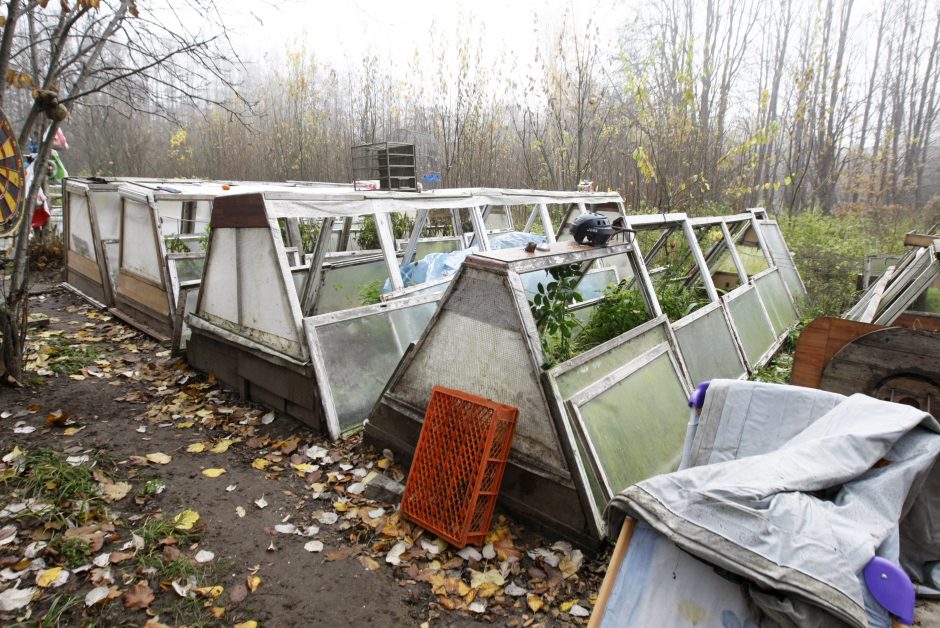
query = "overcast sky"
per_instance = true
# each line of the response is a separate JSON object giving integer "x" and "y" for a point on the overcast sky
{"x": 344, "y": 29}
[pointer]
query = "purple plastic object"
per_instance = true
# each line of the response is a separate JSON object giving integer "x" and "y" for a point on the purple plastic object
{"x": 697, "y": 400}
{"x": 891, "y": 587}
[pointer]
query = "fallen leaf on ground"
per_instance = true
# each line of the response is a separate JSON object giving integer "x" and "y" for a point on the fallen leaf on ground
{"x": 57, "y": 418}
{"x": 534, "y": 602}
{"x": 213, "y": 473}
{"x": 204, "y": 556}
{"x": 138, "y": 596}
{"x": 222, "y": 446}
{"x": 314, "y": 546}
{"x": 186, "y": 519}
{"x": 159, "y": 458}
{"x": 261, "y": 502}
{"x": 251, "y": 623}
{"x": 14, "y": 599}
{"x": 209, "y": 592}
{"x": 196, "y": 448}
{"x": 341, "y": 553}
{"x": 115, "y": 491}
{"x": 53, "y": 577}
{"x": 253, "y": 582}
{"x": 239, "y": 511}
{"x": 260, "y": 463}
{"x": 368, "y": 563}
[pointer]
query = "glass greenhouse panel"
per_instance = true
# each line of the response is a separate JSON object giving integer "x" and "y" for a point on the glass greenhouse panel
{"x": 781, "y": 254}
{"x": 708, "y": 347}
{"x": 361, "y": 353}
{"x": 189, "y": 269}
{"x": 342, "y": 285}
{"x": 754, "y": 330}
{"x": 774, "y": 295}
{"x": 577, "y": 378}
{"x": 637, "y": 426}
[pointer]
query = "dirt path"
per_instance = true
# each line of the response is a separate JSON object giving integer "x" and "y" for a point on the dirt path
{"x": 321, "y": 551}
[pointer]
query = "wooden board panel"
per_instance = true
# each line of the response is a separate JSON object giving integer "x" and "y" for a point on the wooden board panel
{"x": 864, "y": 364}
{"x": 819, "y": 341}
{"x": 239, "y": 210}
{"x": 84, "y": 266}
{"x": 135, "y": 290}
{"x": 918, "y": 321}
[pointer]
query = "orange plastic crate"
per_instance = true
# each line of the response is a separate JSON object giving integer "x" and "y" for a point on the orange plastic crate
{"x": 458, "y": 465}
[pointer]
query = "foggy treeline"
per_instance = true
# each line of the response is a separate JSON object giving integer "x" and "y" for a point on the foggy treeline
{"x": 698, "y": 103}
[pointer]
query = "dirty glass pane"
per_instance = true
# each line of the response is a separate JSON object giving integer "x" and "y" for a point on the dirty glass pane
{"x": 708, "y": 348}
{"x": 138, "y": 248}
{"x": 778, "y": 250}
{"x": 343, "y": 284}
{"x": 360, "y": 355}
{"x": 593, "y": 284}
{"x": 638, "y": 425}
{"x": 299, "y": 275}
{"x": 752, "y": 257}
{"x": 189, "y": 269}
{"x": 424, "y": 247}
{"x": 929, "y": 300}
{"x": 80, "y": 238}
{"x": 580, "y": 377}
{"x": 754, "y": 329}
{"x": 498, "y": 219}
{"x": 191, "y": 295}
{"x": 774, "y": 295}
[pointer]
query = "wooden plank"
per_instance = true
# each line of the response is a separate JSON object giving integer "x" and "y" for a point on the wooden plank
{"x": 85, "y": 267}
{"x": 135, "y": 290}
{"x": 918, "y": 239}
{"x": 613, "y": 568}
{"x": 918, "y": 321}
{"x": 819, "y": 341}
{"x": 239, "y": 210}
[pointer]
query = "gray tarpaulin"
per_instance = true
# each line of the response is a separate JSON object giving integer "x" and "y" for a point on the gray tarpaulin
{"x": 796, "y": 490}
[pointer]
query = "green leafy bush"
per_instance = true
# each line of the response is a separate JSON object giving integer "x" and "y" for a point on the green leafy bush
{"x": 621, "y": 309}
{"x": 550, "y": 309}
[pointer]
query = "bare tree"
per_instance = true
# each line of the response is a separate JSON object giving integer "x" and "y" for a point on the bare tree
{"x": 68, "y": 52}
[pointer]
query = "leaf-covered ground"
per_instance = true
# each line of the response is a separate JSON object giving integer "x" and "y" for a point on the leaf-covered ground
{"x": 136, "y": 491}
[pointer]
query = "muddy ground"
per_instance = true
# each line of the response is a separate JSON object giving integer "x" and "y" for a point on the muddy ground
{"x": 125, "y": 401}
{"x": 291, "y": 538}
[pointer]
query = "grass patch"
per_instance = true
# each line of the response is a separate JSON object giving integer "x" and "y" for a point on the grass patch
{"x": 156, "y": 529}
{"x": 70, "y": 357}
{"x": 54, "y": 617}
{"x": 71, "y": 491}
{"x": 178, "y": 569}
{"x": 74, "y": 552}
{"x": 189, "y": 612}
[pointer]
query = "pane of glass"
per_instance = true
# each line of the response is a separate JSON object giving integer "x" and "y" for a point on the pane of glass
{"x": 81, "y": 240}
{"x": 580, "y": 377}
{"x": 299, "y": 275}
{"x": 138, "y": 248}
{"x": 343, "y": 286}
{"x": 778, "y": 250}
{"x": 498, "y": 219}
{"x": 435, "y": 246}
{"x": 928, "y": 301}
{"x": 360, "y": 355}
{"x": 774, "y": 295}
{"x": 189, "y": 269}
{"x": 754, "y": 329}
{"x": 752, "y": 257}
{"x": 708, "y": 348}
{"x": 638, "y": 425}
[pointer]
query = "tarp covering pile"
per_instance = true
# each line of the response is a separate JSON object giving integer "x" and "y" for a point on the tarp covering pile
{"x": 795, "y": 490}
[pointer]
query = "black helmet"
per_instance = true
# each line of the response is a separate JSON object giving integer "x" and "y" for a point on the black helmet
{"x": 595, "y": 228}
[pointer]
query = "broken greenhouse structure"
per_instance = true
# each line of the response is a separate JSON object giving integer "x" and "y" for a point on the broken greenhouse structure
{"x": 318, "y": 340}
{"x": 137, "y": 246}
{"x": 609, "y": 409}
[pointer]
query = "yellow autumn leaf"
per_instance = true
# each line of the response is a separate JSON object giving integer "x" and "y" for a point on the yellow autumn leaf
{"x": 566, "y": 606}
{"x": 303, "y": 467}
{"x": 260, "y": 463}
{"x": 251, "y": 623}
{"x": 213, "y": 473}
{"x": 217, "y": 611}
{"x": 463, "y": 588}
{"x": 210, "y": 592}
{"x": 222, "y": 446}
{"x": 488, "y": 589}
{"x": 159, "y": 458}
{"x": 534, "y": 602}
{"x": 72, "y": 431}
{"x": 253, "y": 583}
{"x": 186, "y": 519}
{"x": 46, "y": 577}
{"x": 196, "y": 448}
{"x": 184, "y": 424}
